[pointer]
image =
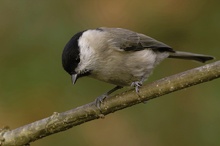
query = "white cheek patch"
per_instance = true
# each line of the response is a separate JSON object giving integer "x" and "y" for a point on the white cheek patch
{"x": 87, "y": 52}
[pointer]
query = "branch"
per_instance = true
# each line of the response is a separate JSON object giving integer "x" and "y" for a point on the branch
{"x": 62, "y": 121}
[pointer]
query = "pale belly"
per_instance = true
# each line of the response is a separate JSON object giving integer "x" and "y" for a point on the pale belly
{"x": 124, "y": 69}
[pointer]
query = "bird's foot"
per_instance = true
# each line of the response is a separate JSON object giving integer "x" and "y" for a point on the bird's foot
{"x": 137, "y": 85}
{"x": 99, "y": 100}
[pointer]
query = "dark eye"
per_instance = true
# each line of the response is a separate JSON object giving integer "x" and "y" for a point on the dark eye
{"x": 77, "y": 59}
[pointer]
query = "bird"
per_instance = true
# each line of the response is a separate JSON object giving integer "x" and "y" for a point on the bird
{"x": 117, "y": 56}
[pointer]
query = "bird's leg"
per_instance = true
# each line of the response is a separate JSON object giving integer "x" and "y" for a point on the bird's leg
{"x": 101, "y": 98}
{"x": 136, "y": 85}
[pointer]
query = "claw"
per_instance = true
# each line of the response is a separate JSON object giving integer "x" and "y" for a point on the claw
{"x": 99, "y": 100}
{"x": 137, "y": 85}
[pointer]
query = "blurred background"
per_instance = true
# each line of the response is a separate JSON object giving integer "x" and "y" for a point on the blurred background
{"x": 33, "y": 83}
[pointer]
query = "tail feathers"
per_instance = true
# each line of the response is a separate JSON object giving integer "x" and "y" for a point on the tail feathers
{"x": 190, "y": 56}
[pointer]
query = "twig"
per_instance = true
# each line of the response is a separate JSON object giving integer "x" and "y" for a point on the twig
{"x": 62, "y": 121}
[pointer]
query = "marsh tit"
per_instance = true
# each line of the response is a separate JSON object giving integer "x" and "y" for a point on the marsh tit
{"x": 117, "y": 56}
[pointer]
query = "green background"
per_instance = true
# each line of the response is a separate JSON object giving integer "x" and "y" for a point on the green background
{"x": 33, "y": 83}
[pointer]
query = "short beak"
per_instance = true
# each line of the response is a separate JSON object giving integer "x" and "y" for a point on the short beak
{"x": 74, "y": 78}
